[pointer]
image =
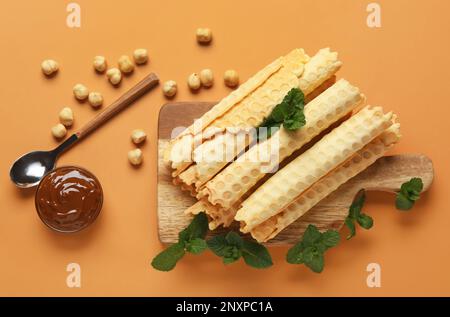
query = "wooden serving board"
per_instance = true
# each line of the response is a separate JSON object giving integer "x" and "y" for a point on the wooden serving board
{"x": 387, "y": 174}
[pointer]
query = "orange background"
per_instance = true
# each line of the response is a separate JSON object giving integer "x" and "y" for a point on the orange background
{"x": 403, "y": 66}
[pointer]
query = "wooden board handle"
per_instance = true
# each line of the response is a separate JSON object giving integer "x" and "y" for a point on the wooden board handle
{"x": 126, "y": 99}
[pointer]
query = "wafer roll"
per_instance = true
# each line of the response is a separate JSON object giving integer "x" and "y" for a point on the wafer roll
{"x": 328, "y": 153}
{"x": 260, "y": 104}
{"x": 216, "y": 215}
{"x": 282, "y": 72}
{"x": 227, "y": 187}
{"x": 212, "y": 154}
{"x": 321, "y": 189}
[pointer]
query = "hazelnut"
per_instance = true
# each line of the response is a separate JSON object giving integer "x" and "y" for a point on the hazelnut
{"x": 231, "y": 78}
{"x": 170, "y": 88}
{"x": 95, "y": 99}
{"x": 140, "y": 56}
{"x": 59, "y": 131}
{"x": 66, "y": 116}
{"x": 194, "y": 81}
{"x": 204, "y": 35}
{"x": 138, "y": 136}
{"x": 206, "y": 77}
{"x": 135, "y": 156}
{"x": 49, "y": 66}
{"x": 100, "y": 63}
{"x": 80, "y": 91}
{"x": 114, "y": 75}
{"x": 126, "y": 64}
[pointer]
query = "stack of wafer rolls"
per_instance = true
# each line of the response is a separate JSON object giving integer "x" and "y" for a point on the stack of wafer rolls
{"x": 358, "y": 162}
{"x": 299, "y": 175}
{"x": 244, "y": 108}
{"x": 267, "y": 185}
{"x": 228, "y": 186}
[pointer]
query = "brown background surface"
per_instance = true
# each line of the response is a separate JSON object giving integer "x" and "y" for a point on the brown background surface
{"x": 403, "y": 66}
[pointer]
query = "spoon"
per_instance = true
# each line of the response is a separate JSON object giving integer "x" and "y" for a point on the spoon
{"x": 29, "y": 169}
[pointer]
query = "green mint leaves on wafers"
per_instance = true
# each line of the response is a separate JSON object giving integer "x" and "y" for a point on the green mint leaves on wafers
{"x": 288, "y": 113}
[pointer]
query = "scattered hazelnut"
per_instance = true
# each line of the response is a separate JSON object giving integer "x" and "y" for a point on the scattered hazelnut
{"x": 206, "y": 77}
{"x": 100, "y": 63}
{"x": 80, "y": 91}
{"x": 66, "y": 116}
{"x": 140, "y": 56}
{"x": 49, "y": 66}
{"x": 170, "y": 88}
{"x": 194, "y": 81}
{"x": 114, "y": 75}
{"x": 138, "y": 136}
{"x": 204, "y": 35}
{"x": 59, "y": 131}
{"x": 125, "y": 64}
{"x": 135, "y": 156}
{"x": 95, "y": 99}
{"x": 231, "y": 78}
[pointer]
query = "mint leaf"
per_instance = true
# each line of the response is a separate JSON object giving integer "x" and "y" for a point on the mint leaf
{"x": 295, "y": 121}
{"x": 403, "y": 203}
{"x": 234, "y": 239}
{"x": 316, "y": 263}
{"x": 356, "y": 216}
{"x": 231, "y": 247}
{"x": 278, "y": 113}
{"x": 351, "y": 226}
{"x": 190, "y": 239}
{"x": 311, "y": 235}
{"x": 256, "y": 255}
{"x": 289, "y": 113}
{"x": 295, "y": 97}
{"x": 311, "y": 249}
{"x": 357, "y": 204}
{"x": 226, "y": 246}
{"x": 229, "y": 260}
{"x": 196, "y": 229}
{"x": 365, "y": 221}
{"x": 167, "y": 259}
{"x": 196, "y": 246}
{"x": 218, "y": 245}
{"x": 409, "y": 193}
{"x": 330, "y": 238}
{"x": 295, "y": 254}
{"x": 308, "y": 254}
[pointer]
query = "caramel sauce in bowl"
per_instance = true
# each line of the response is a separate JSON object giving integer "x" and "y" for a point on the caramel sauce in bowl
{"x": 68, "y": 199}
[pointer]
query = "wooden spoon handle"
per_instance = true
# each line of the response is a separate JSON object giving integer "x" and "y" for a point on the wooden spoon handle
{"x": 126, "y": 99}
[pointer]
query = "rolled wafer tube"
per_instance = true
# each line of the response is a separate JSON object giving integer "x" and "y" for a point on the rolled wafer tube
{"x": 258, "y": 105}
{"x": 325, "y": 186}
{"x": 228, "y": 186}
{"x": 328, "y": 153}
{"x": 216, "y": 215}
{"x": 282, "y": 73}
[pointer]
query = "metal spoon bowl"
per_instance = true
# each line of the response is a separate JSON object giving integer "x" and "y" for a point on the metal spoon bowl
{"x": 28, "y": 170}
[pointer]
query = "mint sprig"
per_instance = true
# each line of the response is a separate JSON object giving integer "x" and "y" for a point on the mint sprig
{"x": 311, "y": 249}
{"x": 289, "y": 113}
{"x": 409, "y": 193}
{"x": 356, "y": 216}
{"x": 191, "y": 239}
{"x": 231, "y": 247}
